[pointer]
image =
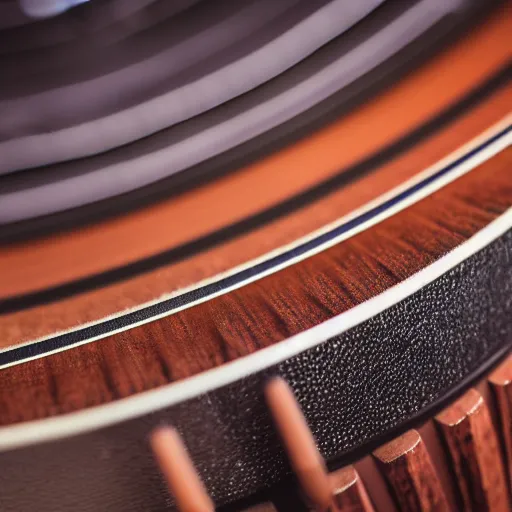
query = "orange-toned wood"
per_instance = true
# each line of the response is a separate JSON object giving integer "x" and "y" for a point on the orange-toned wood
{"x": 179, "y": 472}
{"x": 87, "y": 307}
{"x": 501, "y": 384}
{"x": 349, "y": 491}
{"x": 375, "y": 484}
{"x": 264, "y": 312}
{"x": 67, "y": 257}
{"x": 300, "y": 446}
{"x": 474, "y": 452}
{"x": 406, "y": 465}
{"x": 439, "y": 456}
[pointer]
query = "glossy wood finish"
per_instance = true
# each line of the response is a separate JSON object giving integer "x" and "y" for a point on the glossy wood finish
{"x": 474, "y": 451}
{"x": 501, "y": 384}
{"x": 406, "y": 465}
{"x": 47, "y": 319}
{"x": 44, "y": 320}
{"x": 350, "y": 494}
{"x": 63, "y": 258}
{"x": 452, "y": 455}
{"x": 375, "y": 484}
{"x": 440, "y": 460}
{"x": 264, "y": 312}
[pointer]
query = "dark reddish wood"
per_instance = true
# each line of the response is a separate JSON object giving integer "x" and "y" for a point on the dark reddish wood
{"x": 375, "y": 484}
{"x": 501, "y": 384}
{"x": 408, "y": 469}
{"x": 48, "y": 318}
{"x": 439, "y": 457}
{"x": 349, "y": 491}
{"x": 455, "y": 72}
{"x": 474, "y": 452}
{"x": 261, "y": 313}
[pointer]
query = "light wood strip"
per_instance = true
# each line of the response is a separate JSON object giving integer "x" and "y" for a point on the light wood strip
{"x": 265, "y": 312}
{"x": 411, "y": 476}
{"x": 46, "y": 319}
{"x": 473, "y": 449}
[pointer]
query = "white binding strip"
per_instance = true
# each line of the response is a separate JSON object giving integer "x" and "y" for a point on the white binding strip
{"x": 466, "y": 166}
{"x": 32, "y": 432}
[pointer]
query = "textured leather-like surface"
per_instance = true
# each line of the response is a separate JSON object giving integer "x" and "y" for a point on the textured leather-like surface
{"x": 354, "y": 388}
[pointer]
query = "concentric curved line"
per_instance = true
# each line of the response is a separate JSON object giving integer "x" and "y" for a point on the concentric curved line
{"x": 38, "y": 431}
{"x": 323, "y": 240}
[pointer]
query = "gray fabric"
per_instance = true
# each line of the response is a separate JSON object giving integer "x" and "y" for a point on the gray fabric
{"x": 136, "y": 171}
{"x": 353, "y": 388}
{"x": 47, "y": 8}
{"x": 31, "y": 114}
{"x": 125, "y": 16}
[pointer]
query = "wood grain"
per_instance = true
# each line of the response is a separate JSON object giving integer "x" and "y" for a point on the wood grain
{"x": 46, "y": 319}
{"x": 67, "y": 257}
{"x": 408, "y": 469}
{"x": 375, "y": 484}
{"x": 264, "y": 312}
{"x": 349, "y": 492}
{"x": 439, "y": 457}
{"x": 474, "y": 452}
{"x": 501, "y": 384}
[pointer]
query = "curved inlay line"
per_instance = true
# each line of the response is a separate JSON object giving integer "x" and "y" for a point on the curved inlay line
{"x": 38, "y": 431}
{"x": 244, "y": 155}
{"x": 322, "y": 241}
{"x": 50, "y": 288}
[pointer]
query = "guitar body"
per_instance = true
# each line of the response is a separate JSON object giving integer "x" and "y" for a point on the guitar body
{"x": 346, "y": 228}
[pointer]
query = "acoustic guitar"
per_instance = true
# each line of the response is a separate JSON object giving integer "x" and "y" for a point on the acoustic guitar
{"x": 255, "y": 255}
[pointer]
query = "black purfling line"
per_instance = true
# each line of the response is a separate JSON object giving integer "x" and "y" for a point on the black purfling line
{"x": 344, "y": 177}
{"x": 102, "y": 329}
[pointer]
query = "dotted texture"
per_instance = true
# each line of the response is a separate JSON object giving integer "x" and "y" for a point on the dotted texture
{"x": 354, "y": 389}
